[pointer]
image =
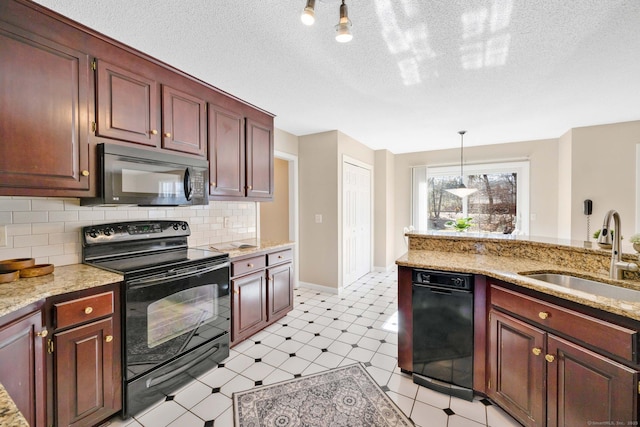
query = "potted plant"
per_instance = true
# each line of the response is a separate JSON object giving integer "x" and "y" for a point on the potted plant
{"x": 635, "y": 239}
{"x": 460, "y": 224}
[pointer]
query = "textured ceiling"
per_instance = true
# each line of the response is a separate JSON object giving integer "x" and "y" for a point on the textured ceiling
{"x": 416, "y": 71}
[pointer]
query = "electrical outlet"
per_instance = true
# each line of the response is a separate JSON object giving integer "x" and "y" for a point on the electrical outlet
{"x": 3, "y": 235}
{"x": 318, "y": 218}
{"x": 226, "y": 222}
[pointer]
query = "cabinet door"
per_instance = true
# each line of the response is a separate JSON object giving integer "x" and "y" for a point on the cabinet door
{"x": 127, "y": 105}
{"x": 249, "y": 305}
{"x": 585, "y": 387}
{"x": 184, "y": 124}
{"x": 22, "y": 367}
{"x": 280, "y": 297}
{"x": 226, "y": 152}
{"x": 517, "y": 368}
{"x": 259, "y": 160}
{"x": 85, "y": 384}
{"x": 44, "y": 114}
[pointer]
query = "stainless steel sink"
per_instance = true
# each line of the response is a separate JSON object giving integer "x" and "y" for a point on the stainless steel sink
{"x": 590, "y": 286}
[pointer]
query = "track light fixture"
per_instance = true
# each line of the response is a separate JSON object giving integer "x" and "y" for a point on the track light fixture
{"x": 343, "y": 33}
{"x": 308, "y": 16}
{"x": 461, "y": 190}
{"x": 343, "y": 29}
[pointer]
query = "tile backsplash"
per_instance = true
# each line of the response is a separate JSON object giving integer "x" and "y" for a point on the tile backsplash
{"x": 48, "y": 229}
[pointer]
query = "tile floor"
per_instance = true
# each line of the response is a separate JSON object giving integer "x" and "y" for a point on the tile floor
{"x": 323, "y": 331}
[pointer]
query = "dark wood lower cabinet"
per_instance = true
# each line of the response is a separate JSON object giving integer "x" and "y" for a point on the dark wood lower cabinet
{"x": 584, "y": 387}
{"x": 262, "y": 291}
{"x": 22, "y": 365}
{"x": 249, "y": 305}
{"x": 84, "y": 374}
{"x": 516, "y": 358}
{"x": 542, "y": 379}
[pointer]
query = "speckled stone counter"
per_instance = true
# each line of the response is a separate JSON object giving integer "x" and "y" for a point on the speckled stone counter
{"x": 258, "y": 246}
{"x": 67, "y": 278}
{"x": 10, "y": 416}
{"x": 504, "y": 260}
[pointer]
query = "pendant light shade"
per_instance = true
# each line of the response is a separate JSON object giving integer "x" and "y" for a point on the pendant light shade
{"x": 308, "y": 16}
{"x": 343, "y": 29}
{"x": 460, "y": 189}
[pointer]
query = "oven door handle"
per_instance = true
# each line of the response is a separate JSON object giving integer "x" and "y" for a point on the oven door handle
{"x": 153, "y": 381}
{"x": 150, "y": 281}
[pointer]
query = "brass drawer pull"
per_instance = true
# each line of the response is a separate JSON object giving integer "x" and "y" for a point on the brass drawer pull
{"x": 549, "y": 358}
{"x": 85, "y": 173}
{"x": 154, "y": 132}
{"x": 43, "y": 333}
{"x": 88, "y": 310}
{"x": 537, "y": 351}
{"x": 108, "y": 338}
{"x": 236, "y": 291}
{"x": 167, "y": 134}
{"x": 543, "y": 315}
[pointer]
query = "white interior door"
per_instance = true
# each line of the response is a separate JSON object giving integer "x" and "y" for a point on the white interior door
{"x": 356, "y": 227}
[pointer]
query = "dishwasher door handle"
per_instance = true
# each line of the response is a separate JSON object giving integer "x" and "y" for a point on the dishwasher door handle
{"x": 440, "y": 290}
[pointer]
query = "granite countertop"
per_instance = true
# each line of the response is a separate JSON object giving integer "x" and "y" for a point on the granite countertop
{"x": 67, "y": 278}
{"x": 10, "y": 416}
{"x": 506, "y": 268}
{"x": 254, "y": 246}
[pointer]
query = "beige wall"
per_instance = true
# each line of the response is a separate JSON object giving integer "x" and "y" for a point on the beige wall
{"x": 274, "y": 216}
{"x": 603, "y": 169}
{"x": 543, "y": 157}
{"x": 318, "y": 178}
{"x": 384, "y": 210}
{"x": 564, "y": 186}
{"x": 285, "y": 142}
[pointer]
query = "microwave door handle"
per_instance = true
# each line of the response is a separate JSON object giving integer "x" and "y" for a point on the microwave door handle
{"x": 188, "y": 190}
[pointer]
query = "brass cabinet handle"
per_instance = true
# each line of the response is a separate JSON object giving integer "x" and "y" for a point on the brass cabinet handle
{"x": 84, "y": 173}
{"x": 536, "y": 351}
{"x": 43, "y": 333}
{"x": 213, "y": 184}
{"x": 167, "y": 134}
{"x": 108, "y": 338}
{"x": 154, "y": 132}
{"x": 543, "y": 315}
{"x": 88, "y": 310}
{"x": 236, "y": 291}
{"x": 549, "y": 358}
{"x": 250, "y": 187}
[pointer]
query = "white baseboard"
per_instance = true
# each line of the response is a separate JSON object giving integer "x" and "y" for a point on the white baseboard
{"x": 321, "y": 288}
{"x": 384, "y": 269}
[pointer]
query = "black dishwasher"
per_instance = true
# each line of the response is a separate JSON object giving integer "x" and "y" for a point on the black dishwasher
{"x": 443, "y": 331}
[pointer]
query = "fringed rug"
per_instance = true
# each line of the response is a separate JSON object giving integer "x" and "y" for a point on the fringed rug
{"x": 345, "y": 396}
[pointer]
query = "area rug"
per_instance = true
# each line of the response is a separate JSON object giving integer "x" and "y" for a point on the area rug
{"x": 345, "y": 396}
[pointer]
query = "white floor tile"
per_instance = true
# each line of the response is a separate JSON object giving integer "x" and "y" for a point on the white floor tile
{"x": 239, "y": 383}
{"x": 257, "y": 351}
{"x": 308, "y": 352}
{"x": 162, "y": 415}
{"x": 295, "y": 365}
{"x": 475, "y": 410}
{"x": 277, "y": 376}
{"x": 258, "y": 371}
{"x": 239, "y": 363}
{"x": 191, "y": 395}
{"x": 379, "y": 375}
{"x": 217, "y": 377}
{"x": 458, "y": 421}
{"x": 329, "y": 360}
{"x": 403, "y": 385}
{"x": 433, "y": 398}
{"x": 275, "y": 358}
{"x": 213, "y": 406}
{"x": 188, "y": 419}
{"x": 385, "y": 362}
{"x": 428, "y": 416}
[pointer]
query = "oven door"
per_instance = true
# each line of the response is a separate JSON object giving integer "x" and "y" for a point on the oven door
{"x": 168, "y": 314}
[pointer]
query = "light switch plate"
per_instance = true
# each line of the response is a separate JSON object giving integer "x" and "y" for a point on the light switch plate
{"x": 3, "y": 235}
{"x": 318, "y": 218}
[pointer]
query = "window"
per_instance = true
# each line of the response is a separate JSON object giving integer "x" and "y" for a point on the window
{"x": 501, "y": 204}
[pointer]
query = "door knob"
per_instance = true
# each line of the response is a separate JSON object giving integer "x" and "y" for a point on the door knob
{"x": 154, "y": 132}
{"x": 84, "y": 173}
{"x": 536, "y": 351}
{"x": 43, "y": 333}
{"x": 549, "y": 358}
{"x": 167, "y": 134}
{"x": 108, "y": 338}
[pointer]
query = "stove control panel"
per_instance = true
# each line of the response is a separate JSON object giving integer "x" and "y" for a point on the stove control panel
{"x": 135, "y": 230}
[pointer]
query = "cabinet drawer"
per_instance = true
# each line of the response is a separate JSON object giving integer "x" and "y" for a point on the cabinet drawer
{"x": 280, "y": 256}
{"x": 83, "y": 309}
{"x": 614, "y": 339}
{"x": 247, "y": 265}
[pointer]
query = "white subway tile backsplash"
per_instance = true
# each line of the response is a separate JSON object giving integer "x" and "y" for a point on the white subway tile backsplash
{"x": 23, "y": 217}
{"x": 48, "y": 229}
{"x": 63, "y": 216}
{"x": 10, "y": 205}
{"x": 47, "y": 204}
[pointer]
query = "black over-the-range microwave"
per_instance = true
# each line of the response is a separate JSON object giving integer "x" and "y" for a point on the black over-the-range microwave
{"x": 134, "y": 176}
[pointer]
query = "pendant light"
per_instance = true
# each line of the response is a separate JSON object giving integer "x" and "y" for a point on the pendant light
{"x": 308, "y": 16}
{"x": 461, "y": 190}
{"x": 343, "y": 33}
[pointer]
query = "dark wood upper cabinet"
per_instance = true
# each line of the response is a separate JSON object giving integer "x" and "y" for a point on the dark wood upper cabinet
{"x": 226, "y": 152}
{"x": 184, "y": 122}
{"x": 259, "y": 160}
{"x": 127, "y": 105}
{"x": 44, "y": 102}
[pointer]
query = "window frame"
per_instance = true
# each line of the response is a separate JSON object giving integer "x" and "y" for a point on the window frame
{"x": 421, "y": 174}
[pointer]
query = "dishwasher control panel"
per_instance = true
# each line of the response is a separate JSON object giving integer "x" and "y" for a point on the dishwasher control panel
{"x": 443, "y": 279}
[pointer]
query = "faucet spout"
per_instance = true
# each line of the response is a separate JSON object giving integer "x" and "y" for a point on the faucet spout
{"x": 606, "y": 236}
